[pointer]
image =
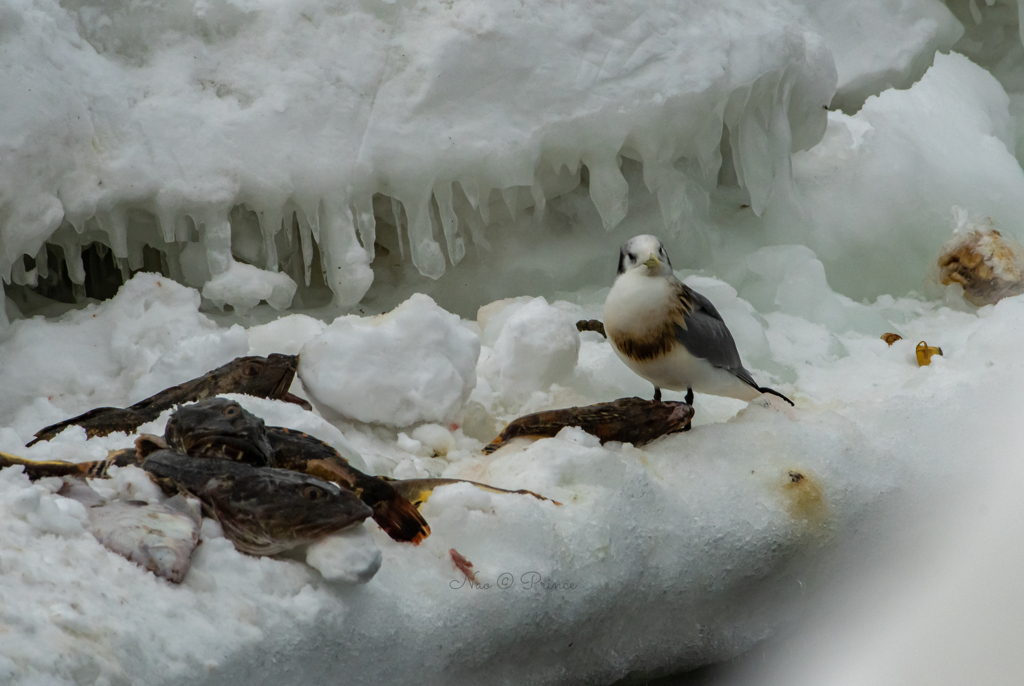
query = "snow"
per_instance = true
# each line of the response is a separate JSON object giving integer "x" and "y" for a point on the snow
{"x": 416, "y": 363}
{"x": 422, "y": 199}
{"x": 228, "y": 135}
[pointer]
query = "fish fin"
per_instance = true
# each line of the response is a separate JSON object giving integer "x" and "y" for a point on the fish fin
{"x": 401, "y": 520}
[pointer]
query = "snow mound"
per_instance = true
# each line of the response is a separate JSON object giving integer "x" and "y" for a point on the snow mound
{"x": 414, "y": 364}
{"x": 148, "y": 338}
{"x": 946, "y": 141}
{"x": 535, "y": 346}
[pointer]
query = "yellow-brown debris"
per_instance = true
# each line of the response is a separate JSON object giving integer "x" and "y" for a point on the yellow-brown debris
{"x": 891, "y": 338}
{"x": 987, "y": 264}
{"x": 925, "y": 353}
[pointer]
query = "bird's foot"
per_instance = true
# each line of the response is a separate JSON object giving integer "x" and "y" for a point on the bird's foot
{"x": 689, "y": 396}
{"x": 657, "y": 394}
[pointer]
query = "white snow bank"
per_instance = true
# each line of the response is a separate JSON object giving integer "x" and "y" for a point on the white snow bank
{"x": 262, "y": 131}
{"x": 874, "y": 198}
{"x": 720, "y": 526}
{"x": 414, "y": 364}
{"x": 151, "y": 336}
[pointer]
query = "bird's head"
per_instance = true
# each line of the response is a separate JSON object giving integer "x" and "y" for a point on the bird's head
{"x": 647, "y": 253}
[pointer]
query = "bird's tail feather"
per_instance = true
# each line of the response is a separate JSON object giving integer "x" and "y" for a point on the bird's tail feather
{"x": 765, "y": 389}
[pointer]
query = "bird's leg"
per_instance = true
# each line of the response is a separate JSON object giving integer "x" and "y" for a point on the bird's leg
{"x": 657, "y": 394}
{"x": 689, "y": 401}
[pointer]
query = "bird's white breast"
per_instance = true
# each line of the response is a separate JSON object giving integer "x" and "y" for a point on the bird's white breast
{"x": 638, "y": 304}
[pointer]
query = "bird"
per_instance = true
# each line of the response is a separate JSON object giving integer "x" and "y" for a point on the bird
{"x": 668, "y": 333}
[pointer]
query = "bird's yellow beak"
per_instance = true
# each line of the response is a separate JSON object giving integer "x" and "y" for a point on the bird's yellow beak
{"x": 653, "y": 263}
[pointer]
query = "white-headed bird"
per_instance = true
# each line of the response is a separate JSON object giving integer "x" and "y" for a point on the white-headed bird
{"x": 668, "y": 333}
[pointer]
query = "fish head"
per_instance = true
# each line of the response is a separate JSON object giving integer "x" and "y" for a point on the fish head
{"x": 266, "y": 511}
{"x": 218, "y": 427}
{"x": 263, "y": 377}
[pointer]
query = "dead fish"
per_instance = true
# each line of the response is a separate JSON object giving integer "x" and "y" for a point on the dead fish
{"x": 159, "y": 537}
{"x": 263, "y": 377}
{"x": 629, "y": 420}
{"x": 262, "y": 510}
{"x": 218, "y": 427}
{"x": 40, "y": 469}
{"x": 591, "y": 325}
{"x": 393, "y": 512}
{"x": 417, "y": 491}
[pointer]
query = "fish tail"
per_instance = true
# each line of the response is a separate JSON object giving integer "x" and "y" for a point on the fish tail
{"x": 400, "y": 520}
{"x": 493, "y": 445}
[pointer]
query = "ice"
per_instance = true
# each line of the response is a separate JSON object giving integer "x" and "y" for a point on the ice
{"x": 955, "y": 123}
{"x": 244, "y": 286}
{"x": 221, "y": 132}
{"x": 414, "y": 364}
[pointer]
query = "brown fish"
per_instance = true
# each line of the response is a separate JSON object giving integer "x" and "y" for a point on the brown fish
{"x": 263, "y": 511}
{"x": 263, "y": 377}
{"x": 217, "y": 427}
{"x": 629, "y": 420}
{"x": 394, "y": 513}
{"x": 96, "y": 469}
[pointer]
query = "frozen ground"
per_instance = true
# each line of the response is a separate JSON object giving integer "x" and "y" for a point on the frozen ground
{"x": 683, "y": 552}
{"x": 476, "y": 166}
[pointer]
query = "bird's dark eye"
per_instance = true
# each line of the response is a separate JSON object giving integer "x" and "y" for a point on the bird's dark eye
{"x": 312, "y": 493}
{"x": 632, "y": 257}
{"x": 251, "y": 369}
{"x": 232, "y": 411}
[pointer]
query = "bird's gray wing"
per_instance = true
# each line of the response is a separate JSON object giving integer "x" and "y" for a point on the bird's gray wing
{"x": 705, "y": 335}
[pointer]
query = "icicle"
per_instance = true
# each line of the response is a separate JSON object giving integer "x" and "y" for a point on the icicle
{"x": 511, "y": 196}
{"x": 216, "y": 234}
{"x": 608, "y": 190}
{"x": 73, "y": 260}
{"x": 346, "y": 264}
{"x": 4, "y": 321}
{"x": 396, "y": 209}
{"x": 426, "y": 253}
{"x": 449, "y": 223}
{"x": 669, "y": 185}
{"x": 311, "y": 210}
{"x": 113, "y": 223}
{"x": 126, "y": 269}
{"x": 43, "y": 262}
{"x": 461, "y": 206}
{"x": 366, "y": 223}
{"x": 22, "y": 276}
{"x": 471, "y": 188}
{"x": 539, "y": 201}
{"x": 270, "y": 225}
{"x": 167, "y": 220}
{"x": 485, "y": 206}
{"x": 305, "y": 241}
